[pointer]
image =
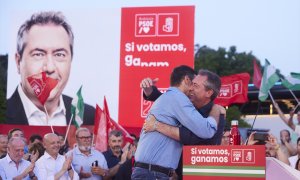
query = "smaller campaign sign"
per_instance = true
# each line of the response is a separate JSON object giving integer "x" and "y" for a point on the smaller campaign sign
{"x": 224, "y": 162}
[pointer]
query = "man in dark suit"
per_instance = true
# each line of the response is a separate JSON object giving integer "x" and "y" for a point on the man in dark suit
{"x": 44, "y": 44}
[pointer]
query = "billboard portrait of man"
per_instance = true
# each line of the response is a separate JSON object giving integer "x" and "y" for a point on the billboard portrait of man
{"x": 44, "y": 49}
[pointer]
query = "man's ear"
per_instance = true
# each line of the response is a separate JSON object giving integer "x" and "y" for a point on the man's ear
{"x": 210, "y": 93}
{"x": 187, "y": 79}
{"x": 18, "y": 61}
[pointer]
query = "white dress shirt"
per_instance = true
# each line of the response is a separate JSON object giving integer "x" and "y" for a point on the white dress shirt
{"x": 9, "y": 170}
{"x": 293, "y": 160}
{"x": 36, "y": 117}
{"x": 47, "y": 167}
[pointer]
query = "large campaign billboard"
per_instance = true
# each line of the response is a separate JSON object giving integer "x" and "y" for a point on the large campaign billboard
{"x": 154, "y": 40}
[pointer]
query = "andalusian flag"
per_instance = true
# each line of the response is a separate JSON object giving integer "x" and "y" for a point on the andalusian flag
{"x": 77, "y": 109}
{"x": 292, "y": 82}
{"x": 270, "y": 77}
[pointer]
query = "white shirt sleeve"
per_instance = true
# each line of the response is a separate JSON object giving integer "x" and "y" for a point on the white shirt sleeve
{"x": 297, "y": 129}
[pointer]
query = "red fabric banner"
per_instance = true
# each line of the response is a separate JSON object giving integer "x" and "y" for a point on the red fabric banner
{"x": 154, "y": 40}
{"x": 234, "y": 89}
{"x": 256, "y": 75}
{"x": 42, "y": 85}
{"x": 106, "y": 124}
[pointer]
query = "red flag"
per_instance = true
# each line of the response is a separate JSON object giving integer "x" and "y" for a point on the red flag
{"x": 105, "y": 107}
{"x": 256, "y": 75}
{"x": 234, "y": 89}
{"x": 98, "y": 114}
{"x": 42, "y": 85}
{"x": 101, "y": 142}
{"x": 106, "y": 124}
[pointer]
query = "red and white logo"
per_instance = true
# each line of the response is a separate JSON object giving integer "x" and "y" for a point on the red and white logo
{"x": 37, "y": 87}
{"x": 168, "y": 24}
{"x": 243, "y": 156}
{"x": 161, "y": 24}
{"x": 230, "y": 90}
{"x": 145, "y": 25}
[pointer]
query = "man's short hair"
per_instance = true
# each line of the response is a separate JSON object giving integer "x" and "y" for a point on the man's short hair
{"x": 43, "y": 18}
{"x": 34, "y": 137}
{"x": 116, "y": 133}
{"x": 10, "y": 132}
{"x": 213, "y": 82}
{"x": 178, "y": 74}
{"x": 81, "y": 129}
{"x": 12, "y": 139}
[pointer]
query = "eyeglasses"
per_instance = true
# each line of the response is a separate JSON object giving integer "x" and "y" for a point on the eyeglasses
{"x": 84, "y": 137}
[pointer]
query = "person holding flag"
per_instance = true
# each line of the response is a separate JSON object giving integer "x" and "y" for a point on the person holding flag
{"x": 43, "y": 58}
{"x": 292, "y": 83}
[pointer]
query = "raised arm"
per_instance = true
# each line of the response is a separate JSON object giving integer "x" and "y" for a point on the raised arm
{"x": 150, "y": 91}
{"x": 287, "y": 121}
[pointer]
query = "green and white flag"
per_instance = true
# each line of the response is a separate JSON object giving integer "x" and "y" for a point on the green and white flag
{"x": 77, "y": 109}
{"x": 292, "y": 82}
{"x": 270, "y": 77}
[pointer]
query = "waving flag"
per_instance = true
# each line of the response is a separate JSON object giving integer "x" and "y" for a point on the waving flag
{"x": 270, "y": 77}
{"x": 42, "y": 85}
{"x": 256, "y": 75}
{"x": 98, "y": 114}
{"x": 77, "y": 109}
{"x": 234, "y": 89}
{"x": 106, "y": 124}
{"x": 292, "y": 82}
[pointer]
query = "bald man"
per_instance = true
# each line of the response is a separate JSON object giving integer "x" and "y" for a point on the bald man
{"x": 12, "y": 166}
{"x": 52, "y": 165}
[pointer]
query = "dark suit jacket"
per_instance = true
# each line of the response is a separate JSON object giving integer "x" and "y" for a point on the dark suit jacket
{"x": 15, "y": 113}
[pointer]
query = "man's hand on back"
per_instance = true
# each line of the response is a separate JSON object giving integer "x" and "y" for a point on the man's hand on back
{"x": 216, "y": 111}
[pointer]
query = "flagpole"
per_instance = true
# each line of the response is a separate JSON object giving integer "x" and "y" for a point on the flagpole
{"x": 294, "y": 97}
{"x": 271, "y": 96}
{"x": 47, "y": 116}
{"x": 68, "y": 129}
{"x": 93, "y": 138}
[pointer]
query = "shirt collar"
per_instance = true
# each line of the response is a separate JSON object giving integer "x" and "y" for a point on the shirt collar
{"x": 48, "y": 156}
{"x": 9, "y": 160}
{"x": 77, "y": 151}
{"x": 30, "y": 108}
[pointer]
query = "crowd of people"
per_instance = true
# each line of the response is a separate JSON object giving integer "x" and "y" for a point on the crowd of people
{"x": 48, "y": 158}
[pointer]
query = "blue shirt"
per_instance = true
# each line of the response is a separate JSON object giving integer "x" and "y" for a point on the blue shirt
{"x": 173, "y": 108}
{"x": 84, "y": 161}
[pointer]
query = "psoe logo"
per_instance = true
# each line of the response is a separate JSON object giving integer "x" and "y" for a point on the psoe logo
{"x": 145, "y": 25}
{"x": 160, "y": 24}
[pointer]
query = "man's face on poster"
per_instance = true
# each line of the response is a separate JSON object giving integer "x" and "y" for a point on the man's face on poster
{"x": 47, "y": 48}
